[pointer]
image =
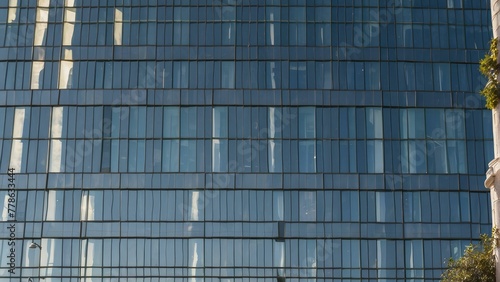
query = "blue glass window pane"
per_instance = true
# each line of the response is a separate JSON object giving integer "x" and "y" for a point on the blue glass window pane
{"x": 372, "y": 75}
{"x": 423, "y": 74}
{"x": 307, "y": 124}
{"x": 141, "y": 152}
{"x": 414, "y": 156}
{"x": 298, "y": 75}
{"x": 436, "y": 157}
{"x": 123, "y": 156}
{"x": 297, "y": 33}
{"x": 323, "y": 75}
{"x": 442, "y": 77}
{"x": 115, "y": 122}
{"x": 187, "y": 156}
{"x": 435, "y": 123}
{"x": 273, "y": 34}
{"x": 275, "y": 156}
{"x": 415, "y": 125}
{"x": 181, "y": 74}
{"x": 164, "y": 75}
{"x": 455, "y": 124}
{"x": 171, "y": 118}
{"x": 307, "y": 156}
{"x": 407, "y": 76}
{"x": 181, "y": 33}
{"x": 457, "y": 156}
{"x": 411, "y": 206}
{"x": 219, "y": 155}
{"x": 487, "y": 121}
{"x": 375, "y": 156}
{"x": 307, "y": 206}
{"x": 275, "y": 120}
{"x": 134, "y": 119}
{"x": 344, "y": 156}
{"x": 188, "y": 121}
{"x": 227, "y": 77}
{"x": 114, "y": 155}
{"x": 385, "y": 207}
{"x": 414, "y": 254}
{"x": 374, "y": 124}
{"x": 228, "y": 33}
{"x": 154, "y": 122}
{"x": 170, "y": 159}
{"x": 387, "y": 256}
{"x": 19, "y": 155}
{"x": 94, "y": 205}
{"x": 220, "y": 122}
{"x": 462, "y": 78}
{"x": 464, "y": 206}
{"x": 454, "y": 211}
{"x": 41, "y": 160}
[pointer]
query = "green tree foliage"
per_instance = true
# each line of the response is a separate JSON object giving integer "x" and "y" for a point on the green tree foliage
{"x": 488, "y": 66}
{"x": 477, "y": 263}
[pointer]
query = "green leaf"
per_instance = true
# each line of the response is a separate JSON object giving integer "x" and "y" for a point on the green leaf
{"x": 476, "y": 265}
{"x": 489, "y": 67}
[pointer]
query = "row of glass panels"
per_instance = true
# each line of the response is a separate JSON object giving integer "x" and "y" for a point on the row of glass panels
{"x": 222, "y": 155}
{"x": 284, "y": 139}
{"x": 227, "y": 35}
{"x": 282, "y": 11}
{"x": 321, "y": 11}
{"x": 405, "y": 76}
{"x": 194, "y": 257}
{"x": 249, "y": 205}
{"x": 237, "y": 122}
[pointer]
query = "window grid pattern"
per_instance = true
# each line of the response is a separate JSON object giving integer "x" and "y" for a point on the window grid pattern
{"x": 379, "y": 182}
{"x": 213, "y": 258}
{"x": 244, "y": 139}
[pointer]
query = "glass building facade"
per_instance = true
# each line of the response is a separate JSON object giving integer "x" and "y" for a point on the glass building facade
{"x": 238, "y": 140}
